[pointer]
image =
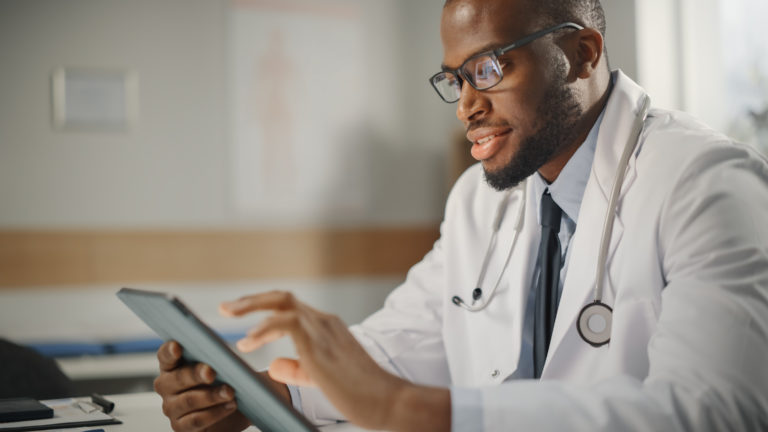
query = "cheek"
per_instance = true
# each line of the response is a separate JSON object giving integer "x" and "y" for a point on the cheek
{"x": 518, "y": 97}
{"x": 524, "y": 85}
{"x": 518, "y": 108}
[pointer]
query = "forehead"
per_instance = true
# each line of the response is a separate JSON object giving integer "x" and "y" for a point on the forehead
{"x": 471, "y": 26}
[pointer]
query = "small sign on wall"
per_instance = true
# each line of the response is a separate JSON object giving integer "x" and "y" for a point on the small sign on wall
{"x": 94, "y": 99}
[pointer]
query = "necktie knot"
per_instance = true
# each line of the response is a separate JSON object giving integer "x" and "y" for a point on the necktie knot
{"x": 550, "y": 213}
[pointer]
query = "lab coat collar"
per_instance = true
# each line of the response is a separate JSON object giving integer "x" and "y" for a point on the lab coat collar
{"x": 624, "y": 104}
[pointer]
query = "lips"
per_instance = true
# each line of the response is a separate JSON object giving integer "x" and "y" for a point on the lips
{"x": 487, "y": 141}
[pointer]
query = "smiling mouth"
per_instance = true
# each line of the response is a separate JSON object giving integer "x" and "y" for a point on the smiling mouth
{"x": 483, "y": 135}
{"x": 482, "y": 141}
{"x": 490, "y": 145}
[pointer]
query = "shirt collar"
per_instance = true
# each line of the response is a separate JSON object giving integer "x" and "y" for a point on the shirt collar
{"x": 568, "y": 188}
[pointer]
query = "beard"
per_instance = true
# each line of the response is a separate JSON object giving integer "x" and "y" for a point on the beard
{"x": 559, "y": 113}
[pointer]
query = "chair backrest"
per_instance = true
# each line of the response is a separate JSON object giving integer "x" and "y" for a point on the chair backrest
{"x": 26, "y": 373}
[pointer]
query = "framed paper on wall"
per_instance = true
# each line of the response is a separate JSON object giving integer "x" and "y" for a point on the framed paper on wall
{"x": 92, "y": 99}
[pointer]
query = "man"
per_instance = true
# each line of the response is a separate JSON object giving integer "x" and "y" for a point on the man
{"x": 684, "y": 292}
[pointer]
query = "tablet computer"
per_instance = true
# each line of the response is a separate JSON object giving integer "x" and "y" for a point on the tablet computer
{"x": 172, "y": 320}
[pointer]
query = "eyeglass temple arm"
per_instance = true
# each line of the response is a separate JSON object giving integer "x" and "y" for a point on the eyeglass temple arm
{"x": 532, "y": 37}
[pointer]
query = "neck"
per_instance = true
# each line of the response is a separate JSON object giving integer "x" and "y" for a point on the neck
{"x": 602, "y": 90}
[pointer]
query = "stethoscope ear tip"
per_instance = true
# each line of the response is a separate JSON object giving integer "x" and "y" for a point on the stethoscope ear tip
{"x": 457, "y": 300}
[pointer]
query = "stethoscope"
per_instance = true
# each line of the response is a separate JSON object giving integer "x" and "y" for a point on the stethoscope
{"x": 595, "y": 319}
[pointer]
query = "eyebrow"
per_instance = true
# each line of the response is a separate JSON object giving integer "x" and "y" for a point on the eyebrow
{"x": 485, "y": 48}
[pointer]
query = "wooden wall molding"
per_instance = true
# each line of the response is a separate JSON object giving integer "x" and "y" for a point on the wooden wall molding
{"x": 66, "y": 257}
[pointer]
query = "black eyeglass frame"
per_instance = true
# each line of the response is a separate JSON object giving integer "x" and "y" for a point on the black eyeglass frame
{"x": 494, "y": 55}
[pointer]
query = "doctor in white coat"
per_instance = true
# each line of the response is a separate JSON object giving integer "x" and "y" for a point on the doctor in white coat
{"x": 685, "y": 274}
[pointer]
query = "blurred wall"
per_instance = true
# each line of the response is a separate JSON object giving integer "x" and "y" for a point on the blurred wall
{"x": 174, "y": 168}
{"x": 708, "y": 58}
{"x": 621, "y": 35}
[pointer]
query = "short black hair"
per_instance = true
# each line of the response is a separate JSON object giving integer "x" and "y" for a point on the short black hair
{"x": 588, "y": 13}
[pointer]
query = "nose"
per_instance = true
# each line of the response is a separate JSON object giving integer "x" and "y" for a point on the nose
{"x": 472, "y": 104}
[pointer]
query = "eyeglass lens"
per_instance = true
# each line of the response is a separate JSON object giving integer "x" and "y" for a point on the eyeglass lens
{"x": 483, "y": 72}
{"x": 448, "y": 85}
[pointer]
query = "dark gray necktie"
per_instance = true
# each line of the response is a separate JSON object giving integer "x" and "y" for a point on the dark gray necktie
{"x": 547, "y": 287}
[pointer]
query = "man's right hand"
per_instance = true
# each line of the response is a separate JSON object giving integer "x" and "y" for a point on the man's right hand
{"x": 191, "y": 401}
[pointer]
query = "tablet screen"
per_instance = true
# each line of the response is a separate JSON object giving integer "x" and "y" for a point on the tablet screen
{"x": 172, "y": 320}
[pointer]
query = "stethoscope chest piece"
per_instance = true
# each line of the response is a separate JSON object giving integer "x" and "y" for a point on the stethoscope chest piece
{"x": 594, "y": 323}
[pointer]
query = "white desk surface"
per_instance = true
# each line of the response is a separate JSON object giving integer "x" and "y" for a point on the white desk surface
{"x": 141, "y": 412}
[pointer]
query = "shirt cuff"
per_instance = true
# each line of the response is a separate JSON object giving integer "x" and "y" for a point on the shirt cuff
{"x": 295, "y": 398}
{"x": 466, "y": 409}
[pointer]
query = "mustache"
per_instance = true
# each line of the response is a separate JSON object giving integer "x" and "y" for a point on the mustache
{"x": 485, "y": 123}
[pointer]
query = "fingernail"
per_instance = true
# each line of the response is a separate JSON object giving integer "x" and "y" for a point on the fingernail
{"x": 245, "y": 345}
{"x": 224, "y": 393}
{"x": 228, "y": 308}
{"x": 230, "y": 405}
{"x": 176, "y": 350}
{"x": 205, "y": 375}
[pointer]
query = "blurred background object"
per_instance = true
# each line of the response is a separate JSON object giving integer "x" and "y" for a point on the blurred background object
{"x": 709, "y": 58}
{"x": 26, "y": 373}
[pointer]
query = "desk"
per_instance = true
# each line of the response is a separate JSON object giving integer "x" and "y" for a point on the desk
{"x": 140, "y": 412}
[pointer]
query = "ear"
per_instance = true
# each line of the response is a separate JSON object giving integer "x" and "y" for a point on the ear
{"x": 585, "y": 52}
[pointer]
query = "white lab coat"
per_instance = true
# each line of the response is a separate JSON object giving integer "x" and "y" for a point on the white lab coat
{"x": 687, "y": 278}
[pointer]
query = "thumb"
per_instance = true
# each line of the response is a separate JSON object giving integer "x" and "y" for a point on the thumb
{"x": 289, "y": 371}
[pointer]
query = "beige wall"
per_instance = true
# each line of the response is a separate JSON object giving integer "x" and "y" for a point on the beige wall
{"x": 174, "y": 168}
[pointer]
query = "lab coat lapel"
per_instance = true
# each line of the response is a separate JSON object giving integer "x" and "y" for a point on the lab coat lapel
{"x": 578, "y": 289}
{"x": 509, "y": 304}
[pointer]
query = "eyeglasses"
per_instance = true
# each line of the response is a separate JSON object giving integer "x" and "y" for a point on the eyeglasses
{"x": 483, "y": 71}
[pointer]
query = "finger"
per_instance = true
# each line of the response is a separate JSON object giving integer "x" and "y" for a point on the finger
{"x": 184, "y": 378}
{"x": 261, "y": 335}
{"x": 201, "y": 420}
{"x": 273, "y": 300}
{"x": 169, "y": 355}
{"x": 289, "y": 371}
{"x": 199, "y": 399}
{"x": 248, "y": 343}
{"x": 271, "y": 329}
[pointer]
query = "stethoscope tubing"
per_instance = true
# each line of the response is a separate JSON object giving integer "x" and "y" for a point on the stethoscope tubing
{"x": 500, "y": 211}
{"x": 610, "y": 213}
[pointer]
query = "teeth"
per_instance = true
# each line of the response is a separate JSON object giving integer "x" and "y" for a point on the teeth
{"x": 486, "y": 139}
